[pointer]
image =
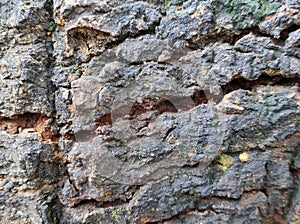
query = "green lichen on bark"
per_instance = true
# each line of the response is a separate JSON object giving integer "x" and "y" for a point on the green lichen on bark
{"x": 241, "y": 9}
{"x": 169, "y": 3}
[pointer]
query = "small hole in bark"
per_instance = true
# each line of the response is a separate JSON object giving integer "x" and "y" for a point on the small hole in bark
{"x": 104, "y": 120}
{"x": 285, "y": 33}
{"x": 199, "y": 97}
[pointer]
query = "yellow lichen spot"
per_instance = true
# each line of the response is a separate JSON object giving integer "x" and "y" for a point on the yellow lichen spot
{"x": 244, "y": 157}
{"x": 115, "y": 215}
{"x": 165, "y": 177}
{"x": 225, "y": 161}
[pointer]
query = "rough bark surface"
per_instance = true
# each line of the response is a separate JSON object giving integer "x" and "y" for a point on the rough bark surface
{"x": 155, "y": 111}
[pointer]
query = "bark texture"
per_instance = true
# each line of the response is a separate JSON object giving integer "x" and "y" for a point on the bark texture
{"x": 155, "y": 111}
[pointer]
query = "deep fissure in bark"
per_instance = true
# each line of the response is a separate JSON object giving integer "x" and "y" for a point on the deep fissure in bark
{"x": 164, "y": 105}
{"x": 29, "y": 123}
{"x": 232, "y": 39}
{"x": 98, "y": 203}
{"x": 252, "y": 85}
